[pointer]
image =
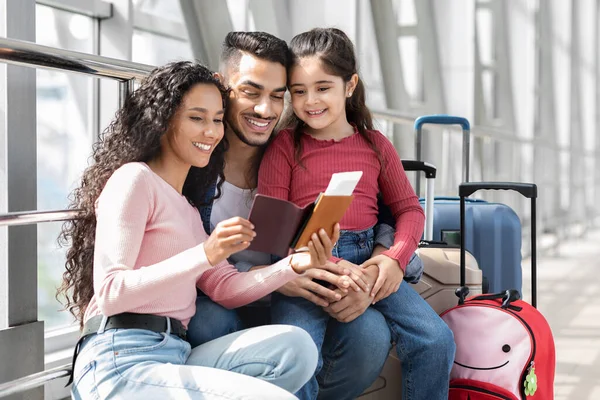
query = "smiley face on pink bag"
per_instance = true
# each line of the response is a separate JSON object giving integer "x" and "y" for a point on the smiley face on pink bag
{"x": 502, "y": 352}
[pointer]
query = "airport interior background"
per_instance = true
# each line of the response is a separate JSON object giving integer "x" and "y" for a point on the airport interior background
{"x": 525, "y": 73}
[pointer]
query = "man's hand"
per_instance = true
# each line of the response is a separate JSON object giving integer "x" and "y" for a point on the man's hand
{"x": 354, "y": 303}
{"x": 305, "y": 287}
{"x": 389, "y": 279}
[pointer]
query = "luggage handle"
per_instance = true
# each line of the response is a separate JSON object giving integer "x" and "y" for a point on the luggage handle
{"x": 414, "y": 165}
{"x": 526, "y": 189}
{"x": 529, "y": 190}
{"x": 430, "y": 173}
{"x": 444, "y": 119}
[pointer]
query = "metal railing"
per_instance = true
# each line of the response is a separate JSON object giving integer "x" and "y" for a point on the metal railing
{"x": 487, "y": 132}
{"x": 35, "y": 217}
{"x": 560, "y": 218}
{"x": 34, "y": 380}
{"x": 37, "y": 56}
{"x": 33, "y": 55}
{"x": 28, "y": 54}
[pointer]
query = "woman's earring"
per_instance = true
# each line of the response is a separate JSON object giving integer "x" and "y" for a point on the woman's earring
{"x": 349, "y": 94}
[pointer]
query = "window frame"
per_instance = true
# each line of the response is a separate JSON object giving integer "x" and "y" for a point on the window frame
{"x": 97, "y": 9}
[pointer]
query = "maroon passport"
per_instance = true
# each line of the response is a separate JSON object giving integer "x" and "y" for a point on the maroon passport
{"x": 281, "y": 225}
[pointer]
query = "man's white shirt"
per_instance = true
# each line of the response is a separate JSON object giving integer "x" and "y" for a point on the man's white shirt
{"x": 235, "y": 202}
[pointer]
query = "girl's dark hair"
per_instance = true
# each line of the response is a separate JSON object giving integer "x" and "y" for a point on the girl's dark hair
{"x": 134, "y": 135}
{"x": 336, "y": 52}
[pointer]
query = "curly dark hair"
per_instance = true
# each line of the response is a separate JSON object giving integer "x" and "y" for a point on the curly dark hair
{"x": 134, "y": 135}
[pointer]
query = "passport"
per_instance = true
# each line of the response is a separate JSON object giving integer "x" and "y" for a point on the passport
{"x": 280, "y": 225}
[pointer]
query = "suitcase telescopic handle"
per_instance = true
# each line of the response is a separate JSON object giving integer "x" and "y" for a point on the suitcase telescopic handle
{"x": 413, "y": 165}
{"x": 529, "y": 190}
{"x": 443, "y": 119}
{"x": 430, "y": 172}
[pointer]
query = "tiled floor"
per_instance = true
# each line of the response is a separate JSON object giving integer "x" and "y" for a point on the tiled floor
{"x": 569, "y": 297}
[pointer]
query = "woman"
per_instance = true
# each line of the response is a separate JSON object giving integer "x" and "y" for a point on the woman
{"x": 143, "y": 234}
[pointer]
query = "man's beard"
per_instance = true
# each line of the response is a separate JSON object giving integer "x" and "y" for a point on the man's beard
{"x": 240, "y": 135}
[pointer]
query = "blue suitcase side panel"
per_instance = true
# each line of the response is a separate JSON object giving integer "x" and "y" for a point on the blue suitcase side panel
{"x": 497, "y": 245}
{"x": 494, "y": 239}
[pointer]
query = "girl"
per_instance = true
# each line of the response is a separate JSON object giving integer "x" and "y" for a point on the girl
{"x": 142, "y": 233}
{"x": 331, "y": 131}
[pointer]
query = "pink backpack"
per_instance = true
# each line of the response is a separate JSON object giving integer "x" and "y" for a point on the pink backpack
{"x": 504, "y": 346}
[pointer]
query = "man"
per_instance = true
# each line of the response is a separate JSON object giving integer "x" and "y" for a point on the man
{"x": 254, "y": 65}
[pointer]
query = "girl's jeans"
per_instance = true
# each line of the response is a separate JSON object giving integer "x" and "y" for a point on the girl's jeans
{"x": 424, "y": 343}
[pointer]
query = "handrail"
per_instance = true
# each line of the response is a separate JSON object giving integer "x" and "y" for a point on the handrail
{"x": 490, "y": 132}
{"x": 34, "y": 380}
{"x": 20, "y": 52}
{"x": 34, "y": 217}
{"x": 394, "y": 116}
{"x": 29, "y": 54}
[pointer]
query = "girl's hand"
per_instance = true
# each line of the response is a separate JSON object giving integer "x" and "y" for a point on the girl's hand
{"x": 354, "y": 303}
{"x": 229, "y": 237}
{"x": 319, "y": 250}
{"x": 389, "y": 279}
{"x": 359, "y": 281}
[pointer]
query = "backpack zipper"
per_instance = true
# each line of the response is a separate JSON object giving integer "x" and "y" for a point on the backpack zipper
{"x": 530, "y": 361}
{"x": 480, "y": 390}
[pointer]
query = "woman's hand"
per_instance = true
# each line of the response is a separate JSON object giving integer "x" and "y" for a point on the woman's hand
{"x": 229, "y": 237}
{"x": 306, "y": 286}
{"x": 319, "y": 250}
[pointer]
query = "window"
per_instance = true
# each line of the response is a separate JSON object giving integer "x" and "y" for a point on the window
{"x": 65, "y": 115}
{"x": 159, "y": 35}
{"x": 149, "y": 48}
{"x": 165, "y": 9}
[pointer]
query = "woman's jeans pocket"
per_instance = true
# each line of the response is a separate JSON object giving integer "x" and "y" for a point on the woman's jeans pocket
{"x": 134, "y": 341}
{"x": 134, "y": 346}
{"x": 84, "y": 385}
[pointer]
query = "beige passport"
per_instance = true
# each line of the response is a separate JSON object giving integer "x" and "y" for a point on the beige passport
{"x": 327, "y": 212}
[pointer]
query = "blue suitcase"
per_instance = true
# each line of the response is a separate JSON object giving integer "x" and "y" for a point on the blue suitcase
{"x": 494, "y": 229}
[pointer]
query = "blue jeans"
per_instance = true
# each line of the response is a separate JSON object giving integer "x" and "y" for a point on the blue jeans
{"x": 424, "y": 343}
{"x": 141, "y": 364}
{"x": 211, "y": 321}
{"x": 347, "y": 370}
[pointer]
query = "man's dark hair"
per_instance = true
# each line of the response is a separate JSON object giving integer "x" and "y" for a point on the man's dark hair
{"x": 259, "y": 44}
